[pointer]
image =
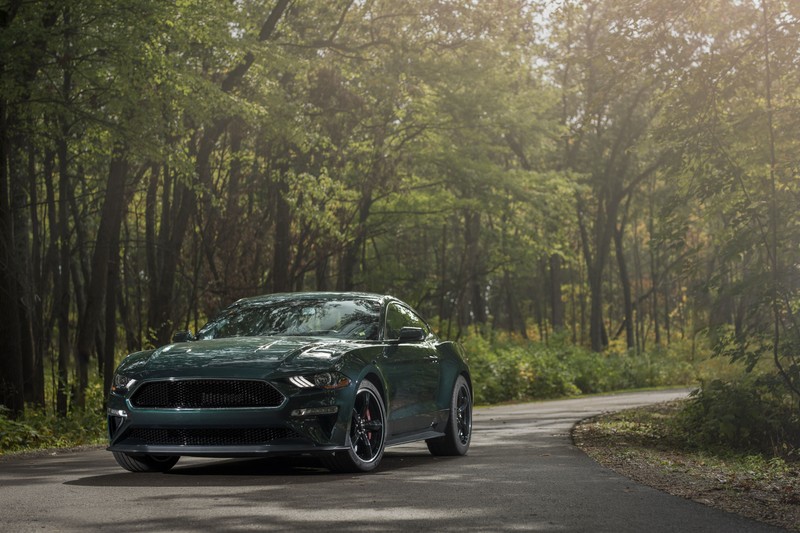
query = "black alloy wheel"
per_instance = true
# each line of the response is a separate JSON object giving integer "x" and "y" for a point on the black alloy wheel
{"x": 458, "y": 431}
{"x": 367, "y": 434}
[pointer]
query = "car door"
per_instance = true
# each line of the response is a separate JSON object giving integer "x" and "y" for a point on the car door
{"x": 412, "y": 371}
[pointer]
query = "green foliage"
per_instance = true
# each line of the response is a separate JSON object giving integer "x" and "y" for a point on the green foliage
{"x": 731, "y": 123}
{"x": 40, "y": 428}
{"x": 509, "y": 369}
{"x": 746, "y": 415}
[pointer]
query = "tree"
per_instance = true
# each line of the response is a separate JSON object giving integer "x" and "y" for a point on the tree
{"x": 733, "y": 125}
{"x": 208, "y": 130}
{"x": 614, "y": 61}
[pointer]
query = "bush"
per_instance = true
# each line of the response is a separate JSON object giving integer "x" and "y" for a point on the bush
{"x": 747, "y": 415}
{"x": 510, "y": 369}
{"x": 40, "y": 428}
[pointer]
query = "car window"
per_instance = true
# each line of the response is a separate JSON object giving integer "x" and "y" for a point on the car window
{"x": 342, "y": 319}
{"x": 398, "y": 317}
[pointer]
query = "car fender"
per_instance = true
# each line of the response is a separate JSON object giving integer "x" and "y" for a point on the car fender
{"x": 358, "y": 365}
{"x": 452, "y": 364}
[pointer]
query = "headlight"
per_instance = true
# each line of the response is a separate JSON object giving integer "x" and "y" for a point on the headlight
{"x": 331, "y": 380}
{"x": 323, "y": 380}
{"x": 120, "y": 384}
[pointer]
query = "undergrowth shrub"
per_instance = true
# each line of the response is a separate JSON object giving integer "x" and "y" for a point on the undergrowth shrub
{"x": 751, "y": 414}
{"x": 41, "y": 428}
{"x": 510, "y": 369}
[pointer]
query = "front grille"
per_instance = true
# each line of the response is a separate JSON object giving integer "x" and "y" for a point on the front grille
{"x": 206, "y": 394}
{"x": 208, "y": 437}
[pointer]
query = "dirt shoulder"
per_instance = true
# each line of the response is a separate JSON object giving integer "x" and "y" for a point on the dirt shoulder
{"x": 637, "y": 444}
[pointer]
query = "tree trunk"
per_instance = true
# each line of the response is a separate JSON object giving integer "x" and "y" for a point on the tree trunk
{"x": 112, "y": 287}
{"x": 352, "y": 252}
{"x": 11, "y": 369}
{"x": 624, "y": 277}
{"x": 160, "y": 315}
{"x": 102, "y": 259}
{"x": 283, "y": 237}
{"x": 22, "y": 271}
{"x": 595, "y": 264}
{"x": 556, "y": 297}
{"x": 475, "y": 275}
{"x": 62, "y": 293}
{"x": 35, "y": 377}
{"x": 321, "y": 271}
{"x": 597, "y": 331}
{"x": 625, "y": 282}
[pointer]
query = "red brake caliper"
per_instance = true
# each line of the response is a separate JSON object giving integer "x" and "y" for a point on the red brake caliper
{"x": 368, "y": 416}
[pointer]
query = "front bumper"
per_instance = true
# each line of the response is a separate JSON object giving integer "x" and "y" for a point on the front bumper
{"x": 236, "y": 432}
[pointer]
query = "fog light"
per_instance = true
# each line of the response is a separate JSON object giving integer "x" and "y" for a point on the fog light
{"x": 116, "y": 417}
{"x": 316, "y": 411}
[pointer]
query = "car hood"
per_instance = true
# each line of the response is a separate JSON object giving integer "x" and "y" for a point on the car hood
{"x": 240, "y": 356}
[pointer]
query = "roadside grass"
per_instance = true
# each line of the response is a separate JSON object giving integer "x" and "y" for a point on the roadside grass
{"x": 647, "y": 445}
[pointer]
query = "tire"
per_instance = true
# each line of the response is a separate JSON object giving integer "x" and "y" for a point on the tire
{"x": 145, "y": 463}
{"x": 458, "y": 431}
{"x": 366, "y": 436}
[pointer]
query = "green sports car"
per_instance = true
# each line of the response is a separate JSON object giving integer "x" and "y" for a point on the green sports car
{"x": 339, "y": 375}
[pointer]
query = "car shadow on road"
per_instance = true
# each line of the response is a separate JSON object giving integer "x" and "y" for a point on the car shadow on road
{"x": 250, "y": 472}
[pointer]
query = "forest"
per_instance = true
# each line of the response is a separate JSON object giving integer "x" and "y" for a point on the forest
{"x": 607, "y": 174}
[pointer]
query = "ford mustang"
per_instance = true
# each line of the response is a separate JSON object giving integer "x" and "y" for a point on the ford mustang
{"x": 338, "y": 375}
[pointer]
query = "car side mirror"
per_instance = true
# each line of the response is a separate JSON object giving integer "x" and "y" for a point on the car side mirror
{"x": 409, "y": 334}
{"x": 183, "y": 336}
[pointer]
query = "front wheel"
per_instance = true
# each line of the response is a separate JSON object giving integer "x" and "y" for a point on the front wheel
{"x": 458, "y": 431}
{"x": 145, "y": 463}
{"x": 367, "y": 434}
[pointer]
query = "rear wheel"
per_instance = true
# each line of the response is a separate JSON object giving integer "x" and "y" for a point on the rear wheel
{"x": 366, "y": 436}
{"x": 145, "y": 463}
{"x": 458, "y": 431}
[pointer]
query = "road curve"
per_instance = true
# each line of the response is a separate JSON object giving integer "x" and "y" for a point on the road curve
{"x": 522, "y": 474}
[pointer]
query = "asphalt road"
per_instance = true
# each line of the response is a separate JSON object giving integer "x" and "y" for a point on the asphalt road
{"x": 522, "y": 473}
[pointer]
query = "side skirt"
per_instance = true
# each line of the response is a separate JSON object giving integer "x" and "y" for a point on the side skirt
{"x": 413, "y": 437}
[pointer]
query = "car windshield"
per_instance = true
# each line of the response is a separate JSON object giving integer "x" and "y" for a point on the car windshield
{"x": 341, "y": 319}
